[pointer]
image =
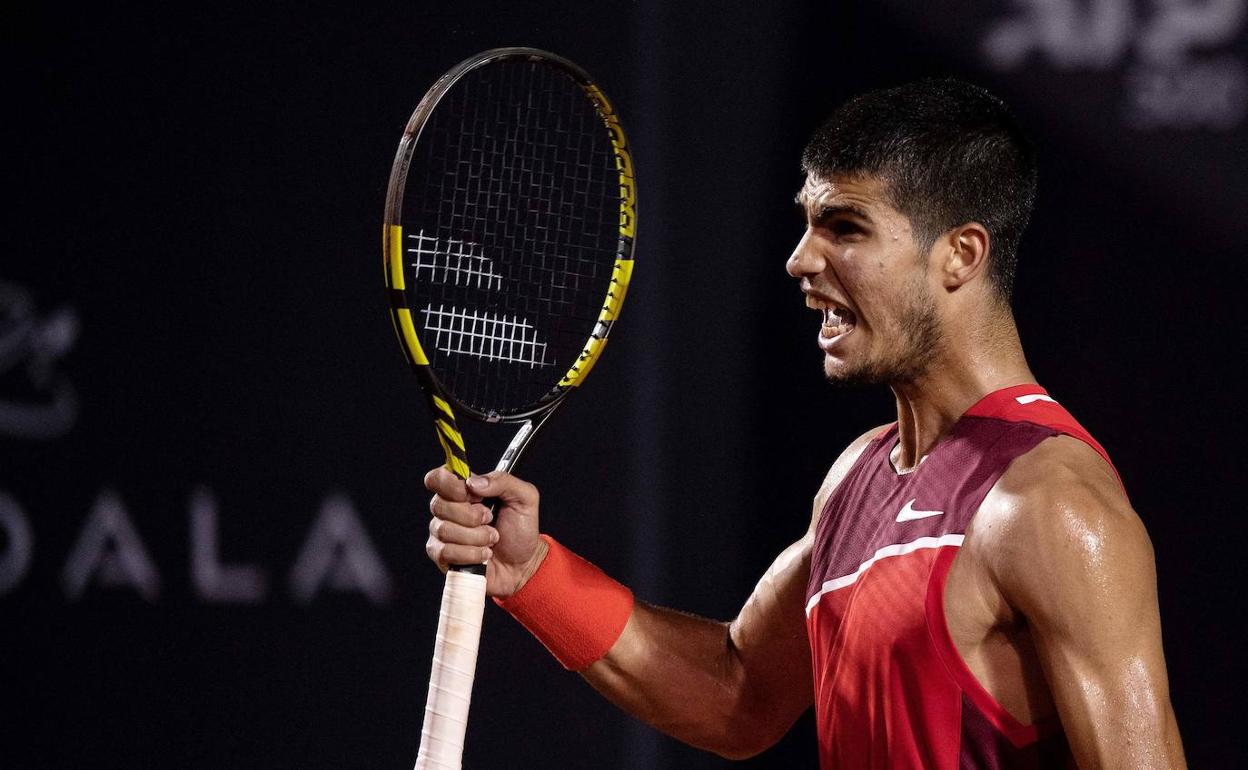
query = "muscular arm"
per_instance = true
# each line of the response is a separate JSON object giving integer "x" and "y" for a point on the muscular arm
{"x": 1074, "y": 559}
{"x": 732, "y": 688}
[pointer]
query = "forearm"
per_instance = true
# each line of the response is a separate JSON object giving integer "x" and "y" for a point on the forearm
{"x": 680, "y": 674}
{"x": 729, "y": 688}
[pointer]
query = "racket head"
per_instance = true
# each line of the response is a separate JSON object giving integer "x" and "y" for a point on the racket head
{"x": 510, "y": 220}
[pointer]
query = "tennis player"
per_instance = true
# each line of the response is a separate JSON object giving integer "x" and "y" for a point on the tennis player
{"x": 974, "y": 589}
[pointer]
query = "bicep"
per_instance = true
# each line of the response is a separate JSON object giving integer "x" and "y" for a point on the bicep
{"x": 767, "y": 641}
{"x": 768, "y": 638}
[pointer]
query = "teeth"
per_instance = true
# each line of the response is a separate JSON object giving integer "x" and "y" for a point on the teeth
{"x": 836, "y": 321}
{"x": 818, "y": 304}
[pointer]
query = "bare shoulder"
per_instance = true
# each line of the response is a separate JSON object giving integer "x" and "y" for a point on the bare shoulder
{"x": 1061, "y": 489}
{"x": 836, "y": 474}
{"x": 1058, "y": 521}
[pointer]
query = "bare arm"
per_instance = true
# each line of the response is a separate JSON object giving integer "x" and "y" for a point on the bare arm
{"x": 1076, "y": 561}
{"x": 732, "y": 688}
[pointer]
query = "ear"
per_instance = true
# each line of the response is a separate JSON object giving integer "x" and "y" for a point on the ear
{"x": 965, "y": 254}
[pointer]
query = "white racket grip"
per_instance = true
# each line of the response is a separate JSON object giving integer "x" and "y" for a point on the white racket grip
{"x": 454, "y": 665}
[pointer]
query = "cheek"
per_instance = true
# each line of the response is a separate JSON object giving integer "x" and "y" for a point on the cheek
{"x": 852, "y": 267}
{"x": 864, "y": 278}
{"x": 865, "y": 268}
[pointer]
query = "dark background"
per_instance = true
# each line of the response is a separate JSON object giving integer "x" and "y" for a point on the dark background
{"x": 194, "y": 209}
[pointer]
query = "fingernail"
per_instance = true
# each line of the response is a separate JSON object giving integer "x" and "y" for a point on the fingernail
{"x": 476, "y": 482}
{"x": 487, "y": 517}
{"x": 494, "y": 536}
{"x": 488, "y": 553}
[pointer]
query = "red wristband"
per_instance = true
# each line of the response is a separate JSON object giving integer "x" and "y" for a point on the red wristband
{"x": 572, "y": 607}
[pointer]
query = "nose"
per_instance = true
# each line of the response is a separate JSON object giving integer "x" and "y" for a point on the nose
{"x": 805, "y": 259}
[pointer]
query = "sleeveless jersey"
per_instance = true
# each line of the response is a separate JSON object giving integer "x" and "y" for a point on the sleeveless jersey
{"x": 891, "y": 689}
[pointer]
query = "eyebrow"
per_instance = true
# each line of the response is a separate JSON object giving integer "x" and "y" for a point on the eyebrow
{"x": 825, "y": 213}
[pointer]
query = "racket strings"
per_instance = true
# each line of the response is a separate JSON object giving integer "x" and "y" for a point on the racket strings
{"x": 486, "y": 335}
{"x": 452, "y": 261}
{"x": 512, "y": 221}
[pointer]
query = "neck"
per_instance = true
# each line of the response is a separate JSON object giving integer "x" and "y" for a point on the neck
{"x": 960, "y": 374}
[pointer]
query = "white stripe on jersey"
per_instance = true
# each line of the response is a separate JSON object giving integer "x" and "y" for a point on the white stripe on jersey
{"x": 889, "y": 550}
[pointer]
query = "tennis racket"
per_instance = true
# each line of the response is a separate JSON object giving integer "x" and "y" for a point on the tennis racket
{"x": 508, "y": 247}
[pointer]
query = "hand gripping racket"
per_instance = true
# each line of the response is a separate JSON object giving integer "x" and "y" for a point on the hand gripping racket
{"x": 508, "y": 247}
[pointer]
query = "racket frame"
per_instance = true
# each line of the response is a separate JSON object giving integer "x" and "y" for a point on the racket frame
{"x": 442, "y": 404}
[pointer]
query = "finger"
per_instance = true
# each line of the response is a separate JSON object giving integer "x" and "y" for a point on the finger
{"x": 442, "y": 482}
{"x": 505, "y": 487}
{"x": 467, "y": 514}
{"x": 454, "y": 534}
{"x": 446, "y": 554}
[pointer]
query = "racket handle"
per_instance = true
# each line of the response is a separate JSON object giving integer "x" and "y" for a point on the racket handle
{"x": 454, "y": 665}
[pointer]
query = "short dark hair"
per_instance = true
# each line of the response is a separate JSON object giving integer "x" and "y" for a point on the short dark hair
{"x": 949, "y": 153}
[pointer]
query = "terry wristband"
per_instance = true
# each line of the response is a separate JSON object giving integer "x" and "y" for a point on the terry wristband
{"x": 572, "y": 607}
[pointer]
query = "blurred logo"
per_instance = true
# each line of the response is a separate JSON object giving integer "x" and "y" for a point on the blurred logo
{"x": 337, "y": 555}
{"x": 1179, "y": 71}
{"x": 36, "y": 400}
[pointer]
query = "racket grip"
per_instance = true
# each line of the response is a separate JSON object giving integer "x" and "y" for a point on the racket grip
{"x": 454, "y": 666}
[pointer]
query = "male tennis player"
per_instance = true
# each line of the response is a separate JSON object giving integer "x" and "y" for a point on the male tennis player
{"x": 974, "y": 590}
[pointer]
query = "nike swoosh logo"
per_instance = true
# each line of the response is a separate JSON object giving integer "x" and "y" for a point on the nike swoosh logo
{"x": 909, "y": 514}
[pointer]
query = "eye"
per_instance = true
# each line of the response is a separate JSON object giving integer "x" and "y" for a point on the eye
{"x": 843, "y": 228}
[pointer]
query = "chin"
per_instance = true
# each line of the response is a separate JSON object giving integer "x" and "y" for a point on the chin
{"x": 839, "y": 372}
{"x": 832, "y": 369}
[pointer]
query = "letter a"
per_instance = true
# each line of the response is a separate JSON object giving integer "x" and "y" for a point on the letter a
{"x": 110, "y": 547}
{"x": 338, "y": 551}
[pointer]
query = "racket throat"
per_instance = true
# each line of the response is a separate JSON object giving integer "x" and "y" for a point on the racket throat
{"x": 516, "y": 447}
{"x": 518, "y": 443}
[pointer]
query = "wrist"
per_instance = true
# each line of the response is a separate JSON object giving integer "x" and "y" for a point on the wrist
{"x": 534, "y": 564}
{"x": 571, "y": 606}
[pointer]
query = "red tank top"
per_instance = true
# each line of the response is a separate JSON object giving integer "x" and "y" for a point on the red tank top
{"x": 891, "y": 689}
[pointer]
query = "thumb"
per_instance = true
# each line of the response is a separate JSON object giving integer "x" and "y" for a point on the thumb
{"x": 504, "y": 487}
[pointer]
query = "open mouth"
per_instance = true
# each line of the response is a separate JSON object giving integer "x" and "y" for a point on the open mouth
{"x": 838, "y": 320}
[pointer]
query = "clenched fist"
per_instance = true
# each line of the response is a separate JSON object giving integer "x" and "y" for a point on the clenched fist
{"x": 463, "y": 531}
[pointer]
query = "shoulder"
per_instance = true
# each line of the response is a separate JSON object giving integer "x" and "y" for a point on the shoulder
{"x": 1057, "y": 523}
{"x": 840, "y": 468}
{"x": 1060, "y": 488}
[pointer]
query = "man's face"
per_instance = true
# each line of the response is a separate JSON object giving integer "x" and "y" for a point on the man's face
{"x": 860, "y": 267}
